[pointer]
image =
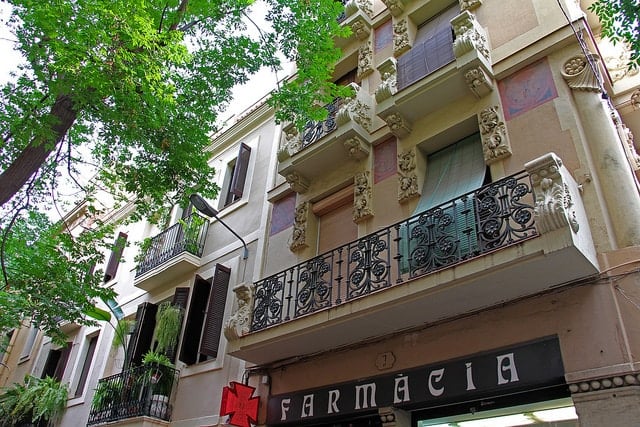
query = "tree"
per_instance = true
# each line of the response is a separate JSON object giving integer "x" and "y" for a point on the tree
{"x": 133, "y": 88}
{"x": 620, "y": 20}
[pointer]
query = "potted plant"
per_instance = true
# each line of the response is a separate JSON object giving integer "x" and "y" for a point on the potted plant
{"x": 38, "y": 400}
{"x": 167, "y": 330}
{"x": 159, "y": 377}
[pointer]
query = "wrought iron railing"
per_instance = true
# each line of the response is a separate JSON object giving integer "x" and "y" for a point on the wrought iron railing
{"x": 139, "y": 391}
{"x": 313, "y": 131}
{"x": 343, "y": 15}
{"x": 188, "y": 235}
{"x": 493, "y": 217}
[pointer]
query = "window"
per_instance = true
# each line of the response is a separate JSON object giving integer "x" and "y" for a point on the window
{"x": 203, "y": 328}
{"x": 236, "y": 176}
{"x": 114, "y": 258}
{"x": 28, "y": 345}
{"x": 5, "y": 342}
{"x": 86, "y": 365}
{"x": 432, "y": 49}
{"x": 142, "y": 336}
{"x": 56, "y": 362}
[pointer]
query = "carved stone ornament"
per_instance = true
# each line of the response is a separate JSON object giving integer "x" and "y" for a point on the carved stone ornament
{"x": 398, "y": 126}
{"x": 579, "y": 75}
{"x": 630, "y": 379}
{"x": 291, "y": 143}
{"x": 618, "y": 65}
{"x": 389, "y": 86}
{"x": 495, "y": 142}
{"x": 478, "y": 81}
{"x": 407, "y": 176}
{"x": 360, "y": 28}
{"x": 366, "y": 6}
{"x": 627, "y": 138}
{"x": 365, "y": 60}
{"x": 470, "y": 4}
{"x": 357, "y": 148}
{"x": 635, "y": 99}
{"x": 299, "y": 235}
{"x": 354, "y": 108}
{"x": 401, "y": 42}
{"x": 297, "y": 182}
{"x": 554, "y": 206}
{"x": 393, "y": 417}
{"x": 362, "y": 194}
{"x": 469, "y": 36}
{"x": 239, "y": 322}
{"x": 396, "y": 7}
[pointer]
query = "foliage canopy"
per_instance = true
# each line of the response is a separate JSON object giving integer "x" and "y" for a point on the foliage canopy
{"x": 620, "y": 21}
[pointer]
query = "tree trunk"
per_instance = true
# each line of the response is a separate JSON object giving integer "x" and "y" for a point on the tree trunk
{"x": 35, "y": 154}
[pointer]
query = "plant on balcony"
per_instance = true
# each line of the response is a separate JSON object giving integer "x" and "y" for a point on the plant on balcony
{"x": 159, "y": 377}
{"x": 37, "y": 400}
{"x": 192, "y": 227}
{"x": 167, "y": 330}
{"x": 106, "y": 395}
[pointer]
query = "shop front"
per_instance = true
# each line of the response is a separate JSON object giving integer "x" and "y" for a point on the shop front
{"x": 510, "y": 386}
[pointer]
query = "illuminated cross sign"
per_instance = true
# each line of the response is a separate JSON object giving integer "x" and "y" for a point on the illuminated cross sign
{"x": 237, "y": 401}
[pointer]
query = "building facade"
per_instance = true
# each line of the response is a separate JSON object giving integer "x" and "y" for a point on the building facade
{"x": 457, "y": 243}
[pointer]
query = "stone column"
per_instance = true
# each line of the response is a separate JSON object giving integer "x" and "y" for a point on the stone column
{"x": 610, "y": 161}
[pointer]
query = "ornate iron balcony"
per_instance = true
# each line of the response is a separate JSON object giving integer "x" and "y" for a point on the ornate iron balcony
{"x": 493, "y": 217}
{"x": 140, "y": 391}
{"x": 314, "y": 131}
{"x": 188, "y": 235}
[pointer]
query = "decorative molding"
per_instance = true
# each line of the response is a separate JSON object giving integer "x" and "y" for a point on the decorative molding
{"x": 396, "y": 7}
{"x": 631, "y": 379}
{"x": 398, "y": 125}
{"x": 299, "y": 234}
{"x": 618, "y": 66}
{"x": 554, "y": 206}
{"x": 297, "y": 182}
{"x": 362, "y": 196}
{"x": 401, "y": 40}
{"x": 356, "y": 108}
{"x": 627, "y": 138}
{"x": 394, "y": 417}
{"x": 388, "y": 70}
{"x": 469, "y": 36}
{"x": 579, "y": 75}
{"x": 357, "y": 148}
{"x": 478, "y": 81}
{"x": 635, "y": 99}
{"x": 365, "y": 6}
{"x": 470, "y": 4}
{"x": 361, "y": 28}
{"x": 493, "y": 131}
{"x": 291, "y": 143}
{"x": 365, "y": 60}
{"x": 239, "y": 322}
{"x": 407, "y": 176}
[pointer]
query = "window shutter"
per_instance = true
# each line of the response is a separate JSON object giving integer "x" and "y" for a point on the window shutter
{"x": 180, "y": 298}
{"x": 432, "y": 49}
{"x": 215, "y": 312}
{"x": 195, "y": 317}
{"x": 114, "y": 258}
{"x": 62, "y": 363}
{"x": 240, "y": 171}
{"x": 86, "y": 365}
{"x": 140, "y": 341}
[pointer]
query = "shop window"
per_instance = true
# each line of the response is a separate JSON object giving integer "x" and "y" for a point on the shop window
{"x": 236, "y": 175}
{"x": 56, "y": 362}
{"x": 203, "y": 328}
{"x": 114, "y": 258}
{"x": 432, "y": 49}
{"x": 86, "y": 364}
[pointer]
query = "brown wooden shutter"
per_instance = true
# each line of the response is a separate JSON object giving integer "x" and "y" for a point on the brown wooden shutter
{"x": 140, "y": 341}
{"x": 215, "y": 312}
{"x": 93, "y": 341}
{"x": 62, "y": 361}
{"x": 195, "y": 318}
{"x": 180, "y": 298}
{"x": 240, "y": 171}
{"x": 114, "y": 258}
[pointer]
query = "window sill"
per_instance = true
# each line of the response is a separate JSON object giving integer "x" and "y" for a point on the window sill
{"x": 200, "y": 368}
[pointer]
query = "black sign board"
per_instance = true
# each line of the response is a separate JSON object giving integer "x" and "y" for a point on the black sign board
{"x": 526, "y": 366}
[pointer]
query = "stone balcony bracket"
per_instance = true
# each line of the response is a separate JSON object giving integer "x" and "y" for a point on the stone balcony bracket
{"x": 239, "y": 323}
{"x": 396, "y": 7}
{"x": 358, "y": 109}
{"x": 359, "y": 20}
{"x": 388, "y": 70}
{"x": 558, "y": 203}
{"x": 471, "y": 47}
{"x": 352, "y": 7}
